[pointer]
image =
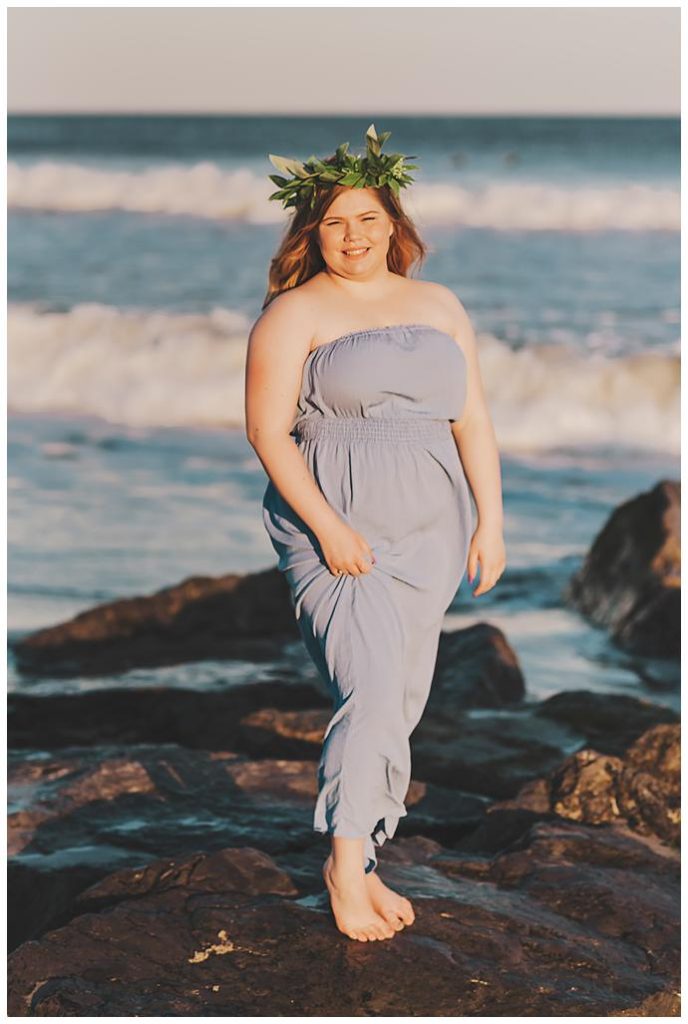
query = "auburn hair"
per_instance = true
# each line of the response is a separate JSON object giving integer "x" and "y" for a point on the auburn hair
{"x": 299, "y": 258}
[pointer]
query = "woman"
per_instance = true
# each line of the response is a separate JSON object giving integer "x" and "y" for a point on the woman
{"x": 369, "y": 511}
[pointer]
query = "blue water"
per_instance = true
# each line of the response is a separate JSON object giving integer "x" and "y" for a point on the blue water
{"x": 552, "y": 149}
{"x": 138, "y": 251}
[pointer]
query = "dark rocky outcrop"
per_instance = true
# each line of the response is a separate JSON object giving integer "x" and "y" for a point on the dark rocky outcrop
{"x": 81, "y": 813}
{"x": 610, "y": 722}
{"x": 492, "y": 753}
{"x": 231, "y": 616}
{"x": 476, "y": 668}
{"x": 242, "y": 616}
{"x": 540, "y": 846}
{"x": 631, "y": 578}
{"x": 570, "y": 920}
{"x": 211, "y": 720}
{"x": 496, "y": 751}
{"x": 271, "y": 732}
{"x": 641, "y": 789}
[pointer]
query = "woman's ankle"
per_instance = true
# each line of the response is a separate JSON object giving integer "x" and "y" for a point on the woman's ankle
{"x": 346, "y": 860}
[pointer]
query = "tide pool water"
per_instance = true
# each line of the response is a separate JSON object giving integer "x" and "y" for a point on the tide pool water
{"x": 138, "y": 255}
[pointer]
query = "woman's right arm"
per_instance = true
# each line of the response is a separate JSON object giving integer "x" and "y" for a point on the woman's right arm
{"x": 277, "y": 349}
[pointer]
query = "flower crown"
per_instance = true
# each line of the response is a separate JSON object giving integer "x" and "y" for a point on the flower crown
{"x": 372, "y": 170}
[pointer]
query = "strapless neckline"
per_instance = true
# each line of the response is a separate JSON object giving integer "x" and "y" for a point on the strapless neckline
{"x": 377, "y": 330}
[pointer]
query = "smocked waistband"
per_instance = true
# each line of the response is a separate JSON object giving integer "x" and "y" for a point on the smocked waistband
{"x": 366, "y": 428}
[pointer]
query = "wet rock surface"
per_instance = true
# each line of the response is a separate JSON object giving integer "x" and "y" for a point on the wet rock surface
{"x": 162, "y": 857}
{"x": 476, "y": 667}
{"x": 77, "y": 815}
{"x": 630, "y": 581}
{"x": 497, "y": 751}
{"x": 548, "y": 926}
{"x": 643, "y": 787}
{"x": 641, "y": 790}
{"x": 209, "y": 721}
{"x": 231, "y": 616}
{"x": 545, "y": 880}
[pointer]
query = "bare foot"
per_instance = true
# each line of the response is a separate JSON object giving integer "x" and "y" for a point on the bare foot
{"x": 352, "y": 908}
{"x": 390, "y": 905}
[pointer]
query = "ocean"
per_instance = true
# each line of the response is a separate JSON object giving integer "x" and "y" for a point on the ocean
{"x": 138, "y": 250}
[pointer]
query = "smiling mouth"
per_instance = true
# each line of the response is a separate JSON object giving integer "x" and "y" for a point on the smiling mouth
{"x": 356, "y": 252}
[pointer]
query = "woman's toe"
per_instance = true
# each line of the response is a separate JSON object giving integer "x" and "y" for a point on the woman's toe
{"x": 407, "y": 912}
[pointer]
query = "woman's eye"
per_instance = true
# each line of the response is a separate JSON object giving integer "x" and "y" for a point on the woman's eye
{"x": 335, "y": 223}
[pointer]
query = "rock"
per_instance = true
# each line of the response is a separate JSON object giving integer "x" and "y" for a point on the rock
{"x": 544, "y": 860}
{"x": 271, "y": 732}
{"x": 576, "y": 921}
{"x": 649, "y": 792}
{"x": 476, "y": 668}
{"x": 610, "y": 722}
{"x": 245, "y": 870}
{"x": 247, "y": 616}
{"x": 495, "y": 752}
{"x": 492, "y": 753}
{"x": 642, "y": 789}
{"x": 209, "y": 720}
{"x": 631, "y": 578}
{"x": 84, "y": 812}
{"x": 653, "y": 627}
{"x": 80, "y": 814}
{"x": 231, "y": 616}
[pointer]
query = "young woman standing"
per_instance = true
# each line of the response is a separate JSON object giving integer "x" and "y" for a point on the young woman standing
{"x": 368, "y": 504}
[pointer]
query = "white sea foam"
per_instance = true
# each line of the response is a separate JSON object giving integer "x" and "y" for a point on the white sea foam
{"x": 152, "y": 368}
{"x": 206, "y": 190}
{"x": 544, "y": 396}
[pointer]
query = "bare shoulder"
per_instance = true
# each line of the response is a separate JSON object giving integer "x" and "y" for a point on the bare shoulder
{"x": 285, "y": 327}
{"x": 454, "y": 312}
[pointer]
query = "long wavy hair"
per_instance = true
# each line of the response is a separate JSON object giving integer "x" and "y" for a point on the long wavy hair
{"x": 299, "y": 258}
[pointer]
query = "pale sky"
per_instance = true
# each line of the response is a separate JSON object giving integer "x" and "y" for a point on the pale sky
{"x": 344, "y": 60}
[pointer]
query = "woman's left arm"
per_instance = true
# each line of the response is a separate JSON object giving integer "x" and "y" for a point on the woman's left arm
{"x": 475, "y": 438}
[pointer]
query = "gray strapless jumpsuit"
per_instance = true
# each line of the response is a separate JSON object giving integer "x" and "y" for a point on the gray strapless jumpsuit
{"x": 373, "y": 425}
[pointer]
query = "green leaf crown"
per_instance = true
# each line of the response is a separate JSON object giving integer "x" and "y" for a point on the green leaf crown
{"x": 370, "y": 171}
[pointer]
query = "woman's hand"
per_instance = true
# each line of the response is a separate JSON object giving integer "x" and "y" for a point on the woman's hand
{"x": 346, "y": 551}
{"x": 487, "y": 547}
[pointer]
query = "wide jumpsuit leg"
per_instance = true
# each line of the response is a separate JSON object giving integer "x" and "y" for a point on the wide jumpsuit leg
{"x": 374, "y": 640}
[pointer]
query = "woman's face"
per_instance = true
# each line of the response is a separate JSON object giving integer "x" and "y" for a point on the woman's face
{"x": 354, "y": 234}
